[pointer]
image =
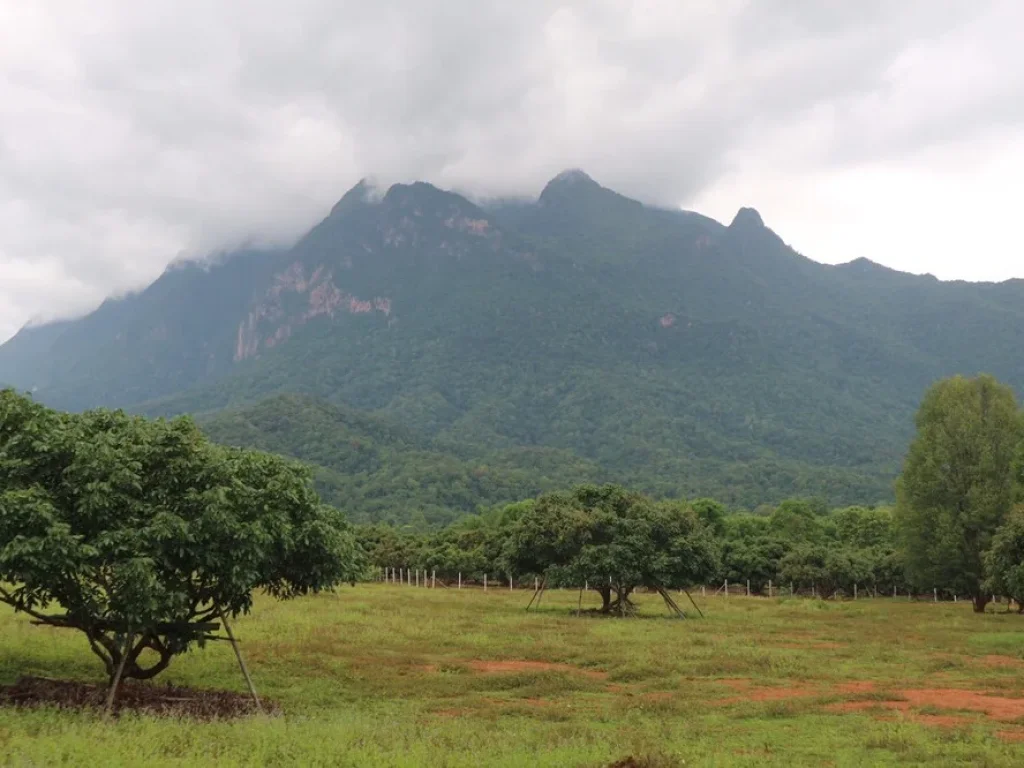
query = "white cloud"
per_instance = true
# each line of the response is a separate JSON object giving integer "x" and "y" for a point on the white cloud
{"x": 132, "y": 133}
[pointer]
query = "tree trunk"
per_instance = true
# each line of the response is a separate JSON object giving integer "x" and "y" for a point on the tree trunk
{"x": 980, "y": 601}
{"x": 606, "y": 598}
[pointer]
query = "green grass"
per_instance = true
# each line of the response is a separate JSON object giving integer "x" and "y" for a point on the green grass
{"x": 390, "y": 676}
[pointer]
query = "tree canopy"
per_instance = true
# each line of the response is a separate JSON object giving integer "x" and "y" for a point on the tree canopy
{"x": 613, "y": 539}
{"x": 145, "y": 534}
{"x": 957, "y": 483}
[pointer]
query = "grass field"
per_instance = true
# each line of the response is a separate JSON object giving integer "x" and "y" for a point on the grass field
{"x": 381, "y": 675}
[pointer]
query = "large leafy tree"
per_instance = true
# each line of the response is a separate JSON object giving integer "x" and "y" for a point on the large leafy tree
{"x": 956, "y": 488}
{"x": 613, "y": 539}
{"x": 142, "y": 534}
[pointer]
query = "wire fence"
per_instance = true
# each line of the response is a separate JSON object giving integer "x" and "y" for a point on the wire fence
{"x": 430, "y": 579}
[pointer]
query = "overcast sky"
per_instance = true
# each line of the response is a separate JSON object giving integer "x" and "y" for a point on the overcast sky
{"x": 132, "y": 133}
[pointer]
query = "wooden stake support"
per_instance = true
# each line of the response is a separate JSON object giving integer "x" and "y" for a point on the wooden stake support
{"x": 241, "y": 661}
{"x": 670, "y": 602}
{"x": 112, "y": 693}
{"x": 538, "y": 589}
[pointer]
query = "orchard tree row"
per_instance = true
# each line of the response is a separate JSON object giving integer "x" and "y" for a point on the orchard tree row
{"x": 957, "y": 526}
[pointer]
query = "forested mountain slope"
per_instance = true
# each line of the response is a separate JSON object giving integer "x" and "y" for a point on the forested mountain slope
{"x": 660, "y": 346}
{"x": 377, "y": 470}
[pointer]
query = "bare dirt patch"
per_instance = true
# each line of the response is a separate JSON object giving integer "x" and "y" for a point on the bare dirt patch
{"x": 166, "y": 700}
{"x": 994, "y": 660}
{"x": 855, "y": 686}
{"x": 751, "y": 692}
{"x": 1000, "y": 708}
{"x": 505, "y": 667}
{"x": 995, "y": 707}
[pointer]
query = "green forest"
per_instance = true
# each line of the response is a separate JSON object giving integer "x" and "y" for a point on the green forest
{"x": 378, "y": 470}
{"x": 957, "y": 528}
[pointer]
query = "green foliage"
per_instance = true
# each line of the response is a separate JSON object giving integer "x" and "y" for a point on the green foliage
{"x": 613, "y": 539}
{"x": 143, "y": 531}
{"x": 957, "y": 483}
{"x": 379, "y": 471}
{"x": 1004, "y": 561}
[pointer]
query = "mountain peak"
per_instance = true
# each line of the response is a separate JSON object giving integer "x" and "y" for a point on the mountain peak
{"x": 573, "y": 176}
{"x": 360, "y": 194}
{"x": 748, "y": 217}
{"x": 568, "y": 182}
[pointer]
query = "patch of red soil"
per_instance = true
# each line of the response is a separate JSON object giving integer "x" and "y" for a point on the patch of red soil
{"x": 742, "y": 685}
{"x": 995, "y": 707}
{"x": 136, "y": 697}
{"x": 450, "y": 712}
{"x": 999, "y": 708}
{"x": 1011, "y": 735}
{"x": 737, "y": 683}
{"x": 536, "y": 702}
{"x": 994, "y": 660}
{"x": 499, "y": 667}
{"x": 855, "y": 686}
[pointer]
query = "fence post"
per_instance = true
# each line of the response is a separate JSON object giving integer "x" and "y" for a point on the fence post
{"x": 401, "y": 576}
{"x": 935, "y": 594}
{"x": 536, "y": 583}
{"x": 510, "y": 582}
{"x": 769, "y": 588}
{"x": 417, "y": 577}
{"x": 460, "y": 579}
{"x": 748, "y": 587}
{"x": 703, "y": 592}
{"x": 485, "y": 582}
{"x": 893, "y": 591}
{"x": 855, "y": 590}
{"x": 433, "y": 579}
{"x": 726, "y": 587}
{"x": 586, "y": 585}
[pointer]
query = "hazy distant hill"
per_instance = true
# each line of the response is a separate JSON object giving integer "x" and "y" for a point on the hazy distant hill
{"x": 659, "y": 346}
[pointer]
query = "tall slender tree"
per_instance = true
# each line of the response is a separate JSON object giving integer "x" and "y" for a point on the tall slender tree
{"x": 956, "y": 488}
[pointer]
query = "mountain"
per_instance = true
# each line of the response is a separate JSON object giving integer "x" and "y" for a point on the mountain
{"x": 654, "y": 346}
{"x": 178, "y": 331}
